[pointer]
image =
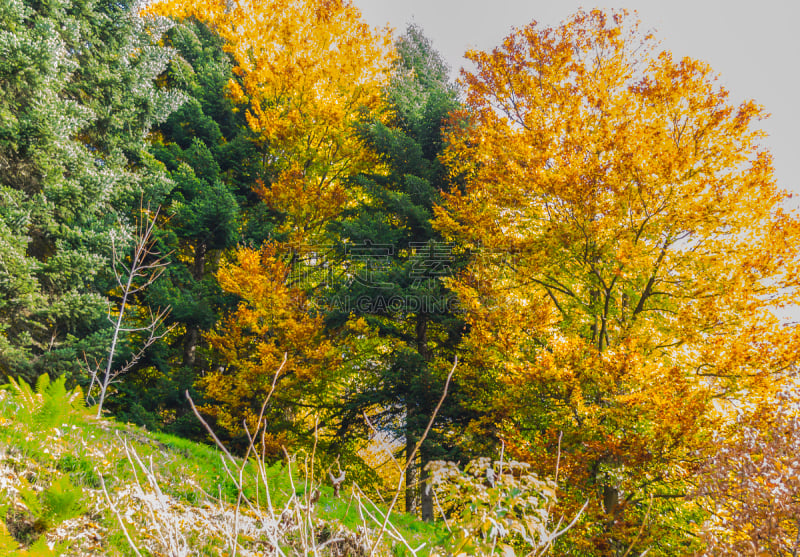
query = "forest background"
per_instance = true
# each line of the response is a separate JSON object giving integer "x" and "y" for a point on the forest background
{"x": 587, "y": 224}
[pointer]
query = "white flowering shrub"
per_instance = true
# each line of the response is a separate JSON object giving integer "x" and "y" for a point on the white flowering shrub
{"x": 494, "y": 507}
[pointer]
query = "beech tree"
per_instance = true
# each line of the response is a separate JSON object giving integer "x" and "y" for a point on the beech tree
{"x": 271, "y": 321}
{"x": 631, "y": 243}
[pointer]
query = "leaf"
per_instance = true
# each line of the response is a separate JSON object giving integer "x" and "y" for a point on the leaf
{"x": 7, "y": 543}
{"x": 62, "y": 501}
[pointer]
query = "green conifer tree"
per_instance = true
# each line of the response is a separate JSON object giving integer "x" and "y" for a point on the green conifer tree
{"x": 213, "y": 160}
{"x": 78, "y": 96}
{"x": 393, "y": 264}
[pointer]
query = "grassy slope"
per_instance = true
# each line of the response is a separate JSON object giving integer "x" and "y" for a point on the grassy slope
{"x": 55, "y": 458}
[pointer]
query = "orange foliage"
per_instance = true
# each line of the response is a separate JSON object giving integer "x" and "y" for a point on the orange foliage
{"x": 631, "y": 245}
{"x": 272, "y": 320}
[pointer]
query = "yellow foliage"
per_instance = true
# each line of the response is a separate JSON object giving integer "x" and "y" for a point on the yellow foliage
{"x": 308, "y": 70}
{"x": 271, "y": 320}
{"x": 631, "y": 247}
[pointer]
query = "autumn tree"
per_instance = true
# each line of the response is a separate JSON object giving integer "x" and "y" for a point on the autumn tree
{"x": 306, "y": 73}
{"x": 630, "y": 243}
{"x": 272, "y": 320}
{"x": 751, "y": 484}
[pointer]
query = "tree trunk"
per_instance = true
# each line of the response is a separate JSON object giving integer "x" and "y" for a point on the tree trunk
{"x": 425, "y": 495}
{"x": 426, "y": 492}
{"x": 192, "y": 337}
{"x": 190, "y": 341}
{"x": 199, "y": 267}
{"x": 422, "y": 337}
{"x": 411, "y": 472}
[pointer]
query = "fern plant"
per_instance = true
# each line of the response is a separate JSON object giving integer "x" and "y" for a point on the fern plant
{"x": 60, "y": 502}
{"x": 47, "y": 405}
{"x": 43, "y": 510}
{"x": 9, "y": 546}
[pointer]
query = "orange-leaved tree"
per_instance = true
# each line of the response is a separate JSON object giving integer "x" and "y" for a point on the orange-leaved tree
{"x": 272, "y": 319}
{"x": 630, "y": 244}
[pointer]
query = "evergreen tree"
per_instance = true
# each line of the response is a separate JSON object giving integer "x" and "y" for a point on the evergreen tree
{"x": 213, "y": 159}
{"x": 78, "y": 96}
{"x": 394, "y": 263}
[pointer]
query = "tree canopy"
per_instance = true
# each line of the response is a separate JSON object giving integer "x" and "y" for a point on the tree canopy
{"x": 78, "y": 96}
{"x": 588, "y": 224}
{"x": 631, "y": 245}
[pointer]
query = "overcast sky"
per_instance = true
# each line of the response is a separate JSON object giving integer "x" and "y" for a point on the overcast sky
{"x": 754, "y": 46}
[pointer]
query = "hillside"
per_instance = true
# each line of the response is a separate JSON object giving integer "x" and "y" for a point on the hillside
{"x": 71, "y": 483}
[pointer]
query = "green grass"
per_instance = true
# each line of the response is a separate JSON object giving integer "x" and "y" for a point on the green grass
{"x": 68, "y": 459}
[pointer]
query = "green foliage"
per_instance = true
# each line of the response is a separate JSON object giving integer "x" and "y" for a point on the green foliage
{"x": 78, "y": 95}
{"x": 43, "y": 510}
{"x": 59, "y": 502}
{"x": 62, "y": 501}
{"x": 49, "y": 405}
{"x": 80, "y": 469}
{"x": 397, "y": 264}
{"x": 7, "y": 543}
{"x": 10, "y": 546}
{"x": 206, "y": 149}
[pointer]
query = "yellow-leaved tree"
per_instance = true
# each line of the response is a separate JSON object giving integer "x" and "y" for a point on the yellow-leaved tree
{"x": 270, "y": 321}
{"x": 629, "y": 246}
{"x": 308, "y": 71}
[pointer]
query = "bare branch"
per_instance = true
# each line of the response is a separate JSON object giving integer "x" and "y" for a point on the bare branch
{"x": 147, "y": 264}
{"x": 410, "y": 459}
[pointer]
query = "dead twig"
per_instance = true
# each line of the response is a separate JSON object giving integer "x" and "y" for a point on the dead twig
{"x": 145, "y": 267}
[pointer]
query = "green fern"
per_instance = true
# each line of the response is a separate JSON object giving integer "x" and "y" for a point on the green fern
{"x": 62, "y": 501}
{"x": 30, "y": 498}
{"x": 55, "y": 403}
{"x": 59, "y": 502}
{"x": 27, "y": 401}
{"x": 42, "y": 383}
{"x": 7, "y": 543}
{"x": 40, "y": 549}
{"x": 9, "y": 546}
{"x": 50, "y": 405}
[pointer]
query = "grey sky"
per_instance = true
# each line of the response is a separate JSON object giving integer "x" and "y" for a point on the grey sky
{"x": 753, "y": 46}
